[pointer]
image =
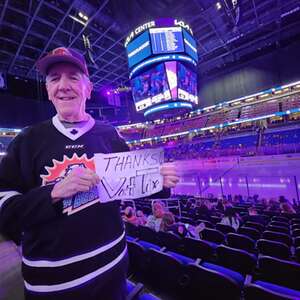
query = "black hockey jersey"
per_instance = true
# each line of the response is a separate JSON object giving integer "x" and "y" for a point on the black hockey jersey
{"x": 78, "y": 239}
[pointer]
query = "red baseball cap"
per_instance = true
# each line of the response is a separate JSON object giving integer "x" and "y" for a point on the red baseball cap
{"x": 60, "y": 55}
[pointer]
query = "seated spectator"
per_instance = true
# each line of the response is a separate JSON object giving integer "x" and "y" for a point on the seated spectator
{"x": 154, "y": 220}
{"x": 273, "y": 205}
{"x": 168, "y": 220}
{"x": 130, "y": 216}
{"x": 231, "y": 218}
{"x": 287, "y": 208}
{"x": 142, "y": 219}
{"x": 253, "y": 216}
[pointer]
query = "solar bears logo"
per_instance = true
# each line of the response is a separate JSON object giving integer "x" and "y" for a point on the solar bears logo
{"x": 60, "y": 170}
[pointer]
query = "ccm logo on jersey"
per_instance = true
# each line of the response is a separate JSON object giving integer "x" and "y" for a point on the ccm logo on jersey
{"x": 74, "y": 147}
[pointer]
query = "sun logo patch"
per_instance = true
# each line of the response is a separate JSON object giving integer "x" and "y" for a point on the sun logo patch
{"x": 60, "y": 170}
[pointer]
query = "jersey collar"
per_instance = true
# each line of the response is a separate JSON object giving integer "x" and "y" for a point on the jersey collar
{"x": 72, "y": 133}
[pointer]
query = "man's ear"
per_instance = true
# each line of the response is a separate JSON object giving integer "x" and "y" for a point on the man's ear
{"x": 46, "y": 85}
{"x": 89, "y": 89}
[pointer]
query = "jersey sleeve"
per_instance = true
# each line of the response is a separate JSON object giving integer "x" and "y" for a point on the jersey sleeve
{"x": 21, "y": 206}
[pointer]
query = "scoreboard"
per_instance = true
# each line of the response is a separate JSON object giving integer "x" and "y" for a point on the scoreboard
{"x": 162, "y": 59}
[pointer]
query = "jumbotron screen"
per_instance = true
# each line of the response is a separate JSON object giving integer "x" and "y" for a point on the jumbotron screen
{"x": 161, "y": 41}
{"x": 165, "y": 82}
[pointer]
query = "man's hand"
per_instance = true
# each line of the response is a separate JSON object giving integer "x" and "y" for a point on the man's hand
{"x": 79, "y": 180}
{"x": 169, "y": 172}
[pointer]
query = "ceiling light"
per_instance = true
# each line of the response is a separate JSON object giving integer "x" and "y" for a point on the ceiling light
{"x": 218, "y": 5}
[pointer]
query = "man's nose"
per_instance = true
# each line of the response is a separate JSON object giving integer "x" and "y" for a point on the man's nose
{"x": 64, "y": 83}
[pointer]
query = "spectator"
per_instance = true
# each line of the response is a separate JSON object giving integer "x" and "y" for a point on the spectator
{"x": 142, "y": 219}
{"x": 130, "y": 215}
{"x": 154, "y": 220}
{"x": 287, "y": 208}
{"x": 168, "y": 220}
{"x": 231, "y": 218}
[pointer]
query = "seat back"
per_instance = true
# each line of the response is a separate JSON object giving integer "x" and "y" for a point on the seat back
{"x": 277, "y": 223}
{"x": 165, "y": 273}
{"x": 148, "y": 234}
{"x": 255, "y": 292}
{"x": 197, "y": 249}
{"x": 209, "y": 284}
{"x": 278, "y": 237}
{"x": 241, "y": 241}
{"x": 224, "y": 228}
{"x": 258, "y": 226}
{"x": 169, "y": 240}
{"x": 278, "y": 271}
{"x": 274, "y": 249}
{"x": 282, "y": 229}
{"x": 280, "y": 219}
{"x": 131, "y": 229}
{"x": 236, "y": 259}
{"x": 213, "y": 235}
{"x": 249, "y": 231}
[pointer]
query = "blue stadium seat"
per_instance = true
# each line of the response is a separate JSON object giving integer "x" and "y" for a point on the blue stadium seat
{"x": 274, "y": 249}
{"x": 198, "y": 249}
{"x": 225, "y": 228}
{"x": 258, "y": 226}
{"x": 236, "y": 259}
{"x": 267, "y": 291}
{"x": 279, "y": 271}
{"x": 212, "y": 235}
{"x": 278, "y": 237}
{"x": 249, "y": 231}
{"x": 241, "y": 241}
{"x": 170, "y": 240}
{"x": 206, "y": 283}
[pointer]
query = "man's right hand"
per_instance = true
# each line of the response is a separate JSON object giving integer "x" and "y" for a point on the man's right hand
{"x": 79, "y": 180}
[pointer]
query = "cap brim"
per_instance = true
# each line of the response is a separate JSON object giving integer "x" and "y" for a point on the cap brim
{"x": 44, "y": 64}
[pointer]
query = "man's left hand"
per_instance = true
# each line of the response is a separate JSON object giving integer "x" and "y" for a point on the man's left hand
{"x": 170, "y": 175}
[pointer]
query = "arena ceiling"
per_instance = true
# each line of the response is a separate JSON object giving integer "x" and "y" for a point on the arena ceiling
{"x": 231, "y": 34}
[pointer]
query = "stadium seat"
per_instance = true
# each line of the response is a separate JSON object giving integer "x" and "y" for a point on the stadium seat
{"x": 278, "y": 229}
{"x": 170, "y": 240}
{"x": 297, "y": 242}
{"x": 138, "y": 260}
{"x": 148, "y": 234}
{"x": 258, "y": 226}
{"x": 198, "y": 248}
{"x": 266, "y": 291}
{"x": 278, "y": 237}
{"x": 295, "y": 221}
{"x": 296, "y": 233}
{"x": 280, "y": 272}
{"x": 236, "y": 259}
{"x": 224, "y": 228}
{"x": 236, "y": 276}
{"x": 280, "y": 219}
{"x": 241, "y": 241}
{"x": 277, "y": 223}
{"x": 207, "y": 224}
{"x": 131, "y": 229}
{"x": 166, "y": 274}
{"x": 249, "y": 231}
{"x": 295, "y": 226}
{"x": 206, "y": 283}
{"x": 213, "y": 235}
{"x": 274, "y": 249}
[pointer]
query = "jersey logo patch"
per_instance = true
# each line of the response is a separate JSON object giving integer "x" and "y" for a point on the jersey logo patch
{"x": 60, "y": 170}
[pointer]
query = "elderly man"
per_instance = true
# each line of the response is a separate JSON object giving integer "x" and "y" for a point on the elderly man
{"x": 73, "y": 245}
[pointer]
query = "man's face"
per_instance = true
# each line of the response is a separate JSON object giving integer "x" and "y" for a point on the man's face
{"x": 68, "y": 89}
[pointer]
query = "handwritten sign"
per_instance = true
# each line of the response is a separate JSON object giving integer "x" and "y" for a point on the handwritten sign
{"x": 129, "y": 175}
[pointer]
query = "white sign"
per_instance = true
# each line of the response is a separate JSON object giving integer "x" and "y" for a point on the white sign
{"x": 129, "y": 175}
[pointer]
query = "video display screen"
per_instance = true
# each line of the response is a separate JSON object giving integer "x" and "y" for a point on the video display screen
{"x": 166, "y": 40}
{"x": 150, "y": 87}
{"x": 138, "y": 49}
{"x": 187, "y": 84}
{"x": 190, "y": 45}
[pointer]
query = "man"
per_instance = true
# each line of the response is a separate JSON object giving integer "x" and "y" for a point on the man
{"x": 73, "y": 246}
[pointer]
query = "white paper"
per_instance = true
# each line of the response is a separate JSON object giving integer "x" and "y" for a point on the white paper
{"x": 129, "y": 175}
